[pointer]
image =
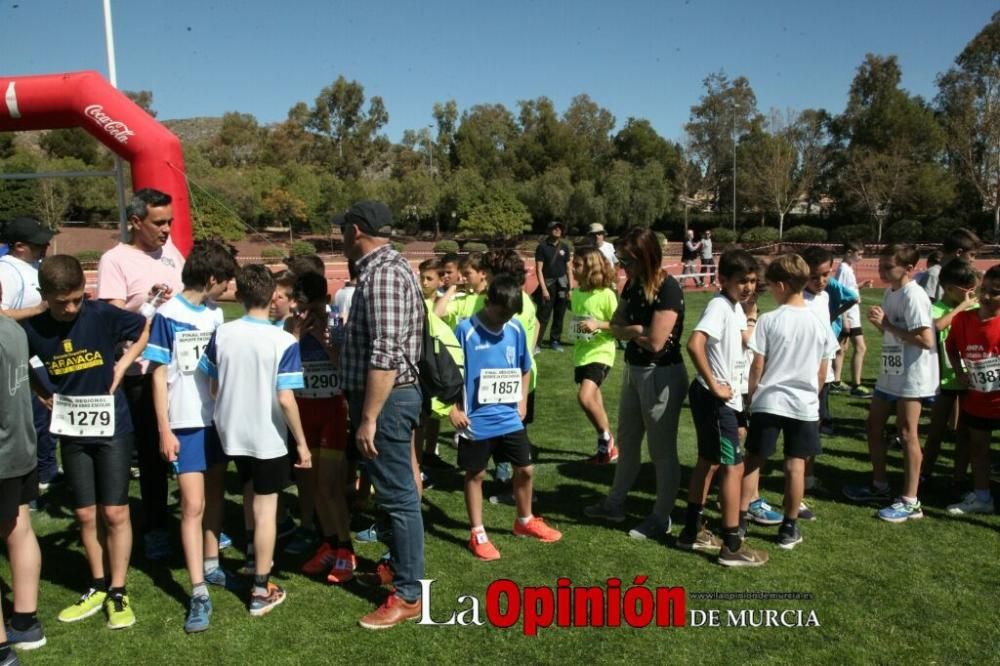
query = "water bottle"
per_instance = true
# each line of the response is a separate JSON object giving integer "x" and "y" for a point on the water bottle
{"x": 148, "y": 309}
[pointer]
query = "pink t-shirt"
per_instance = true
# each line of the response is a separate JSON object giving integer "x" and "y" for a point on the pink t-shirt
{"x": 126, "y": 273}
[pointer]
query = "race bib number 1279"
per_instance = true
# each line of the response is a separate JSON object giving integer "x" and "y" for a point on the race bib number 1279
{"x": 83, "y": 416}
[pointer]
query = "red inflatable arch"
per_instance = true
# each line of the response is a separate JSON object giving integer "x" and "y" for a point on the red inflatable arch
{"x": 87, "y": 100}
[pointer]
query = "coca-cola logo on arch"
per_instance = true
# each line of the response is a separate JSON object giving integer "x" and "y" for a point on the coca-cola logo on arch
{"x": 118, "y": 130}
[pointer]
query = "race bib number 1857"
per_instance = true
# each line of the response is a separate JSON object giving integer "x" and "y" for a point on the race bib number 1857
{"x": 83, "y": 416}
{"x": 499, "y": 385}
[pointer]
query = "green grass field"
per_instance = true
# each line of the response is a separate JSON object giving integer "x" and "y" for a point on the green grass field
{"x": 924, "y": 592}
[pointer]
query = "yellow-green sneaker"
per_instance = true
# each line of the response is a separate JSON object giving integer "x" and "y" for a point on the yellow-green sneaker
{"x": 119, "y": 610}
{"x": 89, "y": 604}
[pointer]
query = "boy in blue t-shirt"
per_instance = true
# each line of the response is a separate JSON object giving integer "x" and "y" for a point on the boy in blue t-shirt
{"x": 489, "y": 420}
{"x": 76, "y": 339}
{"x": 181, "y": 329}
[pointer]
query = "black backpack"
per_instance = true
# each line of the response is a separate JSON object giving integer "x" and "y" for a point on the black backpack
{"x": 440, "y": 377}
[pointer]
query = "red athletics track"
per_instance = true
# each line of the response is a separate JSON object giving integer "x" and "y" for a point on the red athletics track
{"x": 336, "y": 273}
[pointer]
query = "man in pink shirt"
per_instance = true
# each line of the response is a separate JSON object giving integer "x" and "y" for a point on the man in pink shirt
{"x": 129, "y": 275}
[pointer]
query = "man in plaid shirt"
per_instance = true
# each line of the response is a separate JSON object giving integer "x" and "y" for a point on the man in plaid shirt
{"x": 381, "y": 350}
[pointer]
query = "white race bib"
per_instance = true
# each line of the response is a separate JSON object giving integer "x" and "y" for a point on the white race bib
{"x": 984, "y": 375}
{"x": 739, "y": 372}
{"x": 499, "y": 385}
{"x": 190, "y": 346}
{"x": 83, "y": 416}
{"x": 321, "y": 380}
{"x": 574, "y": 330}
{"x": 892, "y": 360}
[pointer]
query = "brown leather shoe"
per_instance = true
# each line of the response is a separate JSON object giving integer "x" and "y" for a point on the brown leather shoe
{"x": 394, "y": 611}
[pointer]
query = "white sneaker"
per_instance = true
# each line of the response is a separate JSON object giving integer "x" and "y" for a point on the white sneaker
{"x": 971, "y": 504}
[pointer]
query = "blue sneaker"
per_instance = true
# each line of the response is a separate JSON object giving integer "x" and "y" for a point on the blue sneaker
{"x": 651, "y": 527}
{"x": 557, "y": 346}
{"x": 762, "y": 513}
{"x": 503, "y": 472}
{"x": 225, "y": 541}
{"x": 199, "y": 612}
{"x": 222, "y": 578}
{"x": 866, "y": 494}
{"x": 377, "y": 532}
{"x": 900, "y": 511}
{"x": 31, "y": 638}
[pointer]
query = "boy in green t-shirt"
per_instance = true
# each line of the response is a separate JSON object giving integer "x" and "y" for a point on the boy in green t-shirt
{"x": 958, "y": 281}
{"x": 456, "y": 306}
{"x": 593, "y": 304}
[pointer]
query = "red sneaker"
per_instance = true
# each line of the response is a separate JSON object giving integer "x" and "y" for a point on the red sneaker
{"x": 481, "y": 547}
{"x": 605, "y": 457}
{"x": 394, "y": 611}
{"x": 382, "y": 575}
{"x": 321, "y": 562}
{"x": 536, "y": 528}
{"x": 343, "y": 567}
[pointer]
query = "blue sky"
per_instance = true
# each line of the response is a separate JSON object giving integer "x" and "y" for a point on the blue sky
{"x": 642, "y": 59}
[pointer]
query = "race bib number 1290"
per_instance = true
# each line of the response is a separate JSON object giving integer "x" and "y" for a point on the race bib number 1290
{"x": 500, "y": 385}
{"x": 320, "y": 379}
{"x": 83, "y": 416}
{"x": 190, "y": 346}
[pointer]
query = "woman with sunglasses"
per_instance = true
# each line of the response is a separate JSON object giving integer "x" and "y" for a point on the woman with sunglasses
{"x": 650, "y": 318}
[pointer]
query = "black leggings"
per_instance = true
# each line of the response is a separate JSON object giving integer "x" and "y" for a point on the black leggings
{"x": 153, "y": 468}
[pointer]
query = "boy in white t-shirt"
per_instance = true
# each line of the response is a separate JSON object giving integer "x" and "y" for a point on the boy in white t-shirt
{"x": 792, "y": 348}
{"x": 716, "y": 349}
{"x": 181, "y": 329}
{"x": 852, "y": 330}
{"x": 255, "y": 367}
{"x": 909, "y": 375}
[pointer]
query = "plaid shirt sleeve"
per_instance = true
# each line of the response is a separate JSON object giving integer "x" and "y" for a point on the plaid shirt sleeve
{"x": 390, "y": 317}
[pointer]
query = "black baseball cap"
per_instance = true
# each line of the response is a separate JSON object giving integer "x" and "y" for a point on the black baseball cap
{"x": 25, "y": 230}
{"x": 371, "y": 217}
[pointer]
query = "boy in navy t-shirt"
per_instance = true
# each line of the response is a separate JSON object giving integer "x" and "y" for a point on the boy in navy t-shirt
{"x": 76, "y": 340}
{"x": 489, "y": 420}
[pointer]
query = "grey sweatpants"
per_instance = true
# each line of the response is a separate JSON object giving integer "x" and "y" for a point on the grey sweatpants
{"x": 650, "y": 404}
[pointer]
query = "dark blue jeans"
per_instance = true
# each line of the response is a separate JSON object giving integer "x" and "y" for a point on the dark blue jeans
{"x": 395, "y": 489}
{"x": 48, "y": 467}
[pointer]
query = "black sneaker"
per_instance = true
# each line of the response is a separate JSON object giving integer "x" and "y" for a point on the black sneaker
{"x": 789, "y": 537}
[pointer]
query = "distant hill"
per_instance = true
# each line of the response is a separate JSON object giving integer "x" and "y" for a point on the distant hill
{"x": 194, "y": 130}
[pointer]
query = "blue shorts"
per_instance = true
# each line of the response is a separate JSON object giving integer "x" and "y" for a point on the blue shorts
{"x": 200, "y": 449}
{"x": 891, "y": 399}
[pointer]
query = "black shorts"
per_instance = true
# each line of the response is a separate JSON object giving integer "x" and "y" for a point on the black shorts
{"x": 978, "y": 422}
{"x": 856, "y": 332}
{"x": 98, "y": 470}
{"x": 16, "y": 492}
{"x": 514, "y": 447}
{"x": 717, "y": 426}
{"x": 529, "y": 411}
{"x": 595, "y": 372}
{"x": 801, "y": 437}
{"x": 266, "y": 476}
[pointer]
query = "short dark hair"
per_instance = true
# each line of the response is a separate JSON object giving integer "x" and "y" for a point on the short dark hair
{"x": 473, "y": 261}
{"x": 209, "y": 258}
{"x": 145, "y": 199}
{"x": 306, "y": 263}
{"x": 61, "y": 274}
{"x": 816, "y": 255}
{"x": 254, "y": 286}
{"x": 853, "y": 246}
{"x": 790, "y": 269}
{"x": 962, "y": 239}
{"x": 505, "y": 262}
{"x": 737, "y": 262}
{"x": 903, "y": 254}
{"x": 505, "y": 292}
{"x": 285, "y": 279}
{"x": 451, "y": 258}
{"x": 431, "y": 264}
{"x": 958, "y": 273}
{"x": 311, "y": 288}
{"x": 992, "y": 273}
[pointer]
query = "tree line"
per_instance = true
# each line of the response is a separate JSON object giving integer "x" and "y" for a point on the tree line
{"x": 890, "y": 164}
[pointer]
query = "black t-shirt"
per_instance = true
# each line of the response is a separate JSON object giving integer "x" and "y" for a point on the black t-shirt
{"x": 639, "y": 311}
{"x": 554, "y": 258}
{"x": 79, "y": 355}
{"x": 689, "y": 253}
